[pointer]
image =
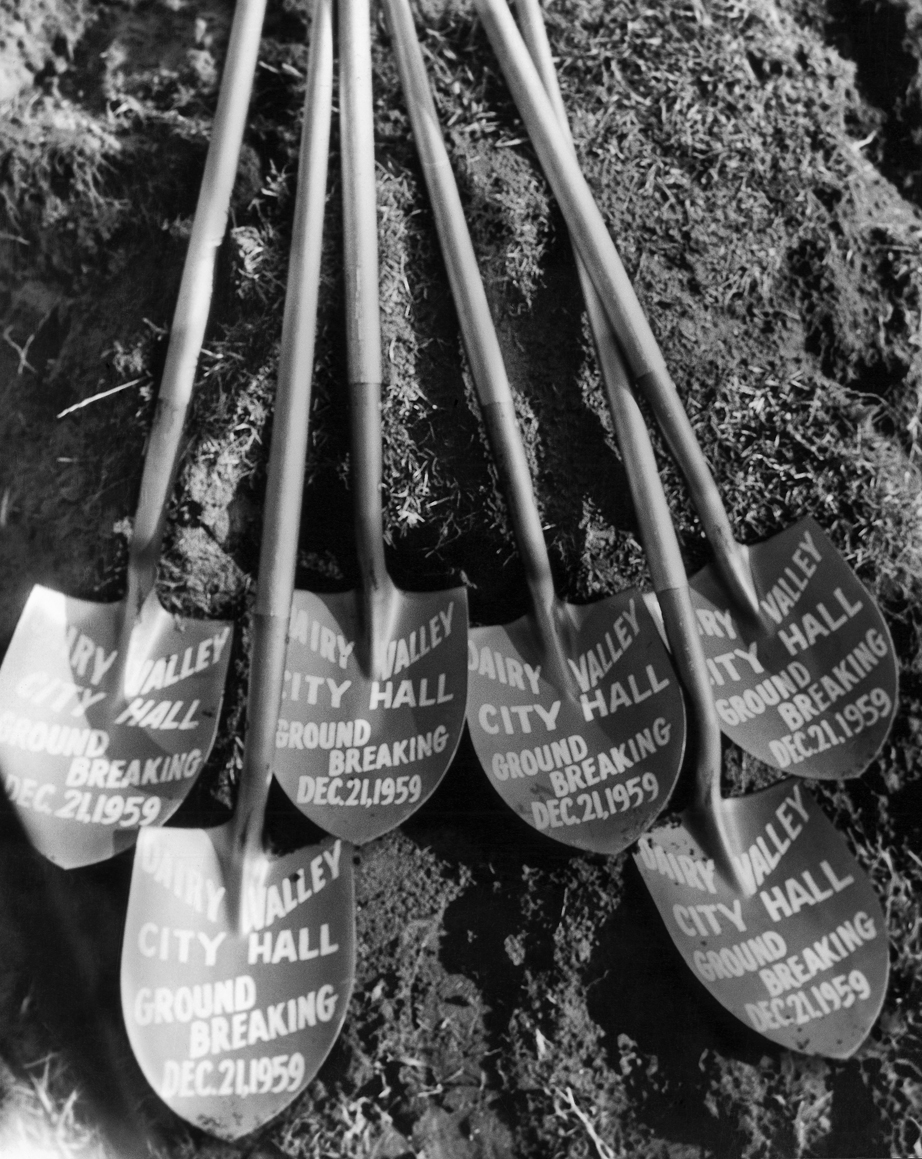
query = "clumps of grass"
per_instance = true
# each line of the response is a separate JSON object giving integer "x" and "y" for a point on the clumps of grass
{"x": 412, "y": 468}
{"x": 607, "y": 558}
{"x": 712, "y": 99}
{"x": 426, "y": 439}
{"x": 41, "y": 1115}
{"x": 214, "y": 511}
{"x": 505, "y": 200}
{"x": 821, "y": 445}
{"x": 508, "y": 211}
{"x": 55, "y": 181}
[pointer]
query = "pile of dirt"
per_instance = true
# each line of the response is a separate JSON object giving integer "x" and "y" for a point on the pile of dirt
{"x": 758, "y": 164}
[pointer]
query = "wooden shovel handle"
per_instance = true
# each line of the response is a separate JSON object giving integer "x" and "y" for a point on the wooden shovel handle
{"x": 477, "y": 330}
{"x": 655, "y": 522}
{"x": 657, "y": 532}
{"x": 194, "y": 302}
{"x": 363, "y": 321}
{"x": 282, "y": 515}
{"x": 616, "y": 294}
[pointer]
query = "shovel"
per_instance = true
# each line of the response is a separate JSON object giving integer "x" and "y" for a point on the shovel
{"x": 575, "y": 712}
{"x": 237, "y": 965}
{"x": 801, "y": 662}
{"x": 760, "y": 894}
{"x": 108, "y": 711}
{"x": 376, "y": 681}
{"x": 789, "y": 936}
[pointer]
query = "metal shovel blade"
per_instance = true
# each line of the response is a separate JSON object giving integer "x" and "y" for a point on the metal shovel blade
{"x": 592, "y": 771}
{"x": 230, "y": 1024}
{"x": 801, "y": 955}
{"x": 93, "y": 747}
{"x": 814, "y": 692}
{"x": 359, "y": 751}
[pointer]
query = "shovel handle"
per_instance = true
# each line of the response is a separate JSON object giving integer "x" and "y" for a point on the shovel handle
{"x": 282, "y": 516}
{"x": 193, "y": 304}
{"x": 661, "y": 546}
{"x": 363, "y": 321}
{"x": 477, "y": 331}
{"x": 655, "y": 522}
{"x": 616, "y": 294}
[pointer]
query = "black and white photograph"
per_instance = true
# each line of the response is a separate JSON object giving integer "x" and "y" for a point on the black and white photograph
{"x": 461, "y": 579}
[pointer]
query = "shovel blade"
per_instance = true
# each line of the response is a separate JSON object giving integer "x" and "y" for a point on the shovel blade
{"x": 817, "y": 695}
{"x": 800, "y": 954}
{"x": 231, "y": 1021}
{"x": 93, "y": 749}
{"x": 358, "y": 753}
{"x": 592, "y": 770}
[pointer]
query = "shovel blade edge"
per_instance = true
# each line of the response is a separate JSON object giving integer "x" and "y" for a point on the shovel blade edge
{"x": 229, "y": 1024}
{"x": 359, "y": 752}
{"x": 594, "y": 770}
{"x": 800, "y": 954}
{"x": 817, "y": 694}
{"x": 94, "y": 746}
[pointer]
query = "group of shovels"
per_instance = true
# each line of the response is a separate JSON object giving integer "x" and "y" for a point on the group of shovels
{"x": 238, "y": 963}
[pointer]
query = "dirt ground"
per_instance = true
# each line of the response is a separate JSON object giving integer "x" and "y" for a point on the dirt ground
{"x": 758, "y": 162}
